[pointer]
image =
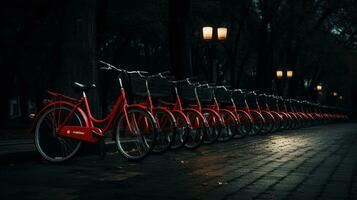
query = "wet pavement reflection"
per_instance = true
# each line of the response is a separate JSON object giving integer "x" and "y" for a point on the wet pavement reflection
{"x": 314, "y": 163}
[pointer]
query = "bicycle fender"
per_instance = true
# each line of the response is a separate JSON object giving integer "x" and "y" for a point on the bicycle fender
{"x": 140, "y": 106}
{"x": 214, "y": 113}
{"x": 199, "y": 113}
{"x": 166, "y": 110}
{"x": 228, "y": 111}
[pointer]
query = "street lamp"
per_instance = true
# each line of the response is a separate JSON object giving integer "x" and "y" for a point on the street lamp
{"x": 207, "y": 32}
{"x": 319, "y": 88}
{"x": 334, "y": 94}
{"x": 222, "y": 33}
{"x": 208, "y": 35}
{"x": 289, "y": 73}
{"x": 279, "y": 74}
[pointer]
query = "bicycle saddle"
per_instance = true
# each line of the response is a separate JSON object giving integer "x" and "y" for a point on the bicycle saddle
{"x": 83, "y": 87}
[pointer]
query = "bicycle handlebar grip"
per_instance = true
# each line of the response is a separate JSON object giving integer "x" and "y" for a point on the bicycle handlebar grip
{"x": 165, "y": 72}
{"x": 105, "y": 68}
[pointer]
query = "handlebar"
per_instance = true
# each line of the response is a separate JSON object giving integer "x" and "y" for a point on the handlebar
{"x": 111, "y": 67}
{"x": 160, "y": 75}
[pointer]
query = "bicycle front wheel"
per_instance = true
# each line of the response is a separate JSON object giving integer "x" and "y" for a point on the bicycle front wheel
{"x": 258, "y": 122}
{"x": 245, "y": 124}
{"x": 183, "y": 130}
{"x": 214, "y": 126}
{"x": 135, "y": 135}
{"x": 198, "y": 129}
{"x": 166, "y": 132}
{"x": 230, "y": 127}
{"x": 268, "y": 122}
{"x": 51, "y": 146}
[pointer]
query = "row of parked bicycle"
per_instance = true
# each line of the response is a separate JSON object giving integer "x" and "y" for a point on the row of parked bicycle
{"x": 164, "y": 114}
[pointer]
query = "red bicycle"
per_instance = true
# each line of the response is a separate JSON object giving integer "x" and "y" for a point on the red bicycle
{"x": 164, "y": 91}
{"x": 230, "y": 120}
{"x": 225, "y": 99}
{"x": 257, "y": 120}
{"x": 197, "y": 123}
{"x": 192, "y": 95}
{"x": 144, "y": 92}
{"x": 65, "y": 122}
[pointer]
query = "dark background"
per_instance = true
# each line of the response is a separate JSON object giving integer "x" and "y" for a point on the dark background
{"x": 48, "y": 44}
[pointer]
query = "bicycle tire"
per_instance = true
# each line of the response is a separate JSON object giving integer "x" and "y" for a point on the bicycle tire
{"x": 278, "y": 121}
{"x": 145, "y": 138}
{"x": 183, "y": 130}
{"x": 230, "y": 127}
{"x": 214, "y": 126}
{"x": 166, "y": 130}
{"x": 52, "y": 147}
{"x": 197, "y": 131}
{"x": 245, "y": 124}
{"x": 258, "y": 122}
{"x": 268, "y": 122}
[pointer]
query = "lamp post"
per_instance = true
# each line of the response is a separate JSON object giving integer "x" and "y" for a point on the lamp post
{"x": 319, "y": 92}
{"x": 281, "y": 78}
{"x": 208, "y": 35}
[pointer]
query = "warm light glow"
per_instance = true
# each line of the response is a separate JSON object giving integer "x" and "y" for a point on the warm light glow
{"x": 279, "y": 73}
{"x": 207, "y": 33}
{"x": 334, "y": 94}
{"x": 319, "y": 87}
{"x": 222, "y": 33}
{"x": 289, "y": 73}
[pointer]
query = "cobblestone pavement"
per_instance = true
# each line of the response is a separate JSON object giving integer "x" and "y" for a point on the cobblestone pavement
{"x": 312, "y": 163}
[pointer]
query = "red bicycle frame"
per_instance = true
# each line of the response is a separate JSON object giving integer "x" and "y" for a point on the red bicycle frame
{"x": 90, "y": 132}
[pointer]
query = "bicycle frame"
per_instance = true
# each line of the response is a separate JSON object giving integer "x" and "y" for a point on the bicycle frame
{"x": 217, "y": 108}
{"x": 90, "y": 132}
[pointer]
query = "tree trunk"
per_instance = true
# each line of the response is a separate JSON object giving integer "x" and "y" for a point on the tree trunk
{"x": 78, "y": 53}
{"x": 179, "y": 38}
{"x": 291, "y": 63}
{"x": 264, "y": 65}
{"x": 241, "y": 69}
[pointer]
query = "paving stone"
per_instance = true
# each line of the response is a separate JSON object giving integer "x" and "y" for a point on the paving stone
{"x": 318, "y": 162}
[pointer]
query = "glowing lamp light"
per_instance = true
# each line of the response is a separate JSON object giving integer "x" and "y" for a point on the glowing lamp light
{"x": 289, "y": 73}
{"x": 319, "y": 87}
{"x": 334, "y": 94}
{"x": 207, "y": 33}
{"x": 340, "y": 97}
{"x": 279, "y": 73}
{"x": 222, "y": 33}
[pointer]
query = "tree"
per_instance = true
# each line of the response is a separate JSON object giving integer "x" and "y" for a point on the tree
{"x": 179, "y": 38}
{"x": 78, "y": 60}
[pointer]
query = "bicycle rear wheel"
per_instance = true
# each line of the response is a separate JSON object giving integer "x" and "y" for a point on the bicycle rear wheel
{"x": 52, "y": 147}
{"x": 136, "y": 137}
